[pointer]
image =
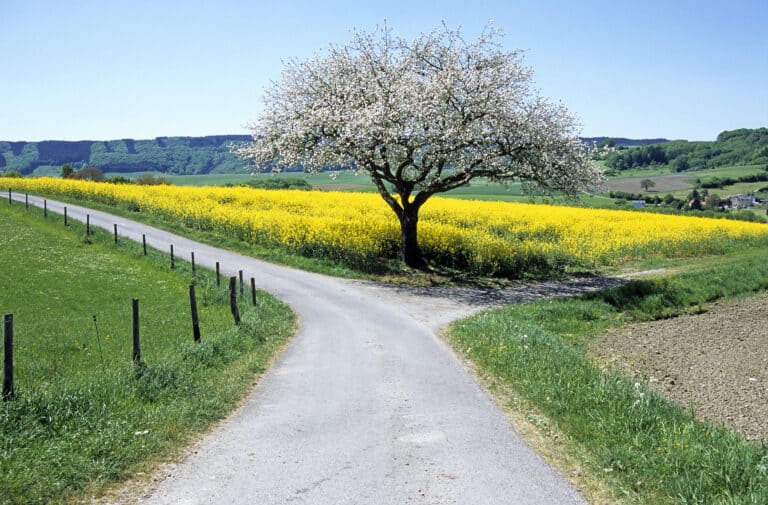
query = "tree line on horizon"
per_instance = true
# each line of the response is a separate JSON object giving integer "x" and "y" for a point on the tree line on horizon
{"x": 212, "y": 154}
{"x": 735, "y": 147}
{"x": 171, "y": 155}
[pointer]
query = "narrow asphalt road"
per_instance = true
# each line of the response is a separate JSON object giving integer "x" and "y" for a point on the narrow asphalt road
{"x": 366, "y": 405}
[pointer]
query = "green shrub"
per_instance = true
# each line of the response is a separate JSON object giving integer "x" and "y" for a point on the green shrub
{"x": 150, "y": 180}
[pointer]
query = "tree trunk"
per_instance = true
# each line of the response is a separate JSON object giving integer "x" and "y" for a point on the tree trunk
{"x": 409, "y": 245}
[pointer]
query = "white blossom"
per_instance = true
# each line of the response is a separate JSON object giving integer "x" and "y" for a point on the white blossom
{"x": 425, "y": 116}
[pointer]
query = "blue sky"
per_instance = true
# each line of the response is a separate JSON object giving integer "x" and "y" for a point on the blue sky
{"x": 114, "y": 69}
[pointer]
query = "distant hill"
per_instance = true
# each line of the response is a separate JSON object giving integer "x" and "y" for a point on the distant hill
{"x": 172, "y": 155}
{"x": 736, "y": 147}
{"x": 620, "y": 141}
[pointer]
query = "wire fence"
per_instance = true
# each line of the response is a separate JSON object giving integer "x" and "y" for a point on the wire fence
{"x": 48, "y": 350}
{"x": 45, "y": 350}
{"x": 40, "y": 349}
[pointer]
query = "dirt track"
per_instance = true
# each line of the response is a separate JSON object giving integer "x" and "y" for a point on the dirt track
{"x": 716, "y": 362}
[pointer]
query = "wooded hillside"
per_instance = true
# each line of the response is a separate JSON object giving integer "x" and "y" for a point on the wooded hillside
{"x": 172, "y": 155}
{"x": 736, "y": 147}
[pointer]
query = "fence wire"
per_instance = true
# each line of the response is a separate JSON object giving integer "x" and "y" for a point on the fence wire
{"x": 51, "y": 349}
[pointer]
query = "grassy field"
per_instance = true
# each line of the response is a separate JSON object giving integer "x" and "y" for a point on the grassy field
{"x": 83, "y": 415}
{"x": 644, "y": 448}
{"x": 667, "y": 181}
{"x": 340, "y": 181}
{"x": 671, "y": 182}
{"x": 724, "y": 171}
{"x": 189, "y": 180}
{"x": 741, "y": 188}
{"x": 324, "y": 179}
{"x": 47, "y": 171}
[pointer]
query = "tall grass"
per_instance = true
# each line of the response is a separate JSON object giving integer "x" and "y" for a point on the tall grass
{"x": 648, "y": 449}
{"x": 83, "y": 415}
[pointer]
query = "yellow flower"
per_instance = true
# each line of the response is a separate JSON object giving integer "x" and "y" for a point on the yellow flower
{"x": 357, "y": 228}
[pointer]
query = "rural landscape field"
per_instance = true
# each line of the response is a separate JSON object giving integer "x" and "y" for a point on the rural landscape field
{"x": 371, "y": 254}
{"x": 502, "y": 239}
{"x": 495, "y": 239}
{"x": 85, "y": 410}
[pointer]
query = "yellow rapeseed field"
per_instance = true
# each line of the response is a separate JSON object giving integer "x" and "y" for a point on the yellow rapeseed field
{"x": 492, "y": 238}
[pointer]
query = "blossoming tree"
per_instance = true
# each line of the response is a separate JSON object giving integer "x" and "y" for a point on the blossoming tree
{"x": 420, "y": 117}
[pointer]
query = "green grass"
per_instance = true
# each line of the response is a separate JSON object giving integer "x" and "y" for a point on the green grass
{"x": 83, "y": 415}
{"x": 732, "y": 171}
{"x": 482, "y": 189}
{"x": 728, "y": 171}
{"x": 735, "y": 189}
{"x": 479, "y": 189}
{"x": 645, "y": 448}
{"x": 280, "y": 256}
{"x": 740, "y": 188}
{"x": 644, "y": 172}
{"x": 186, "y": 180}
{"x": 322, "y": 179}
{"x": 724, "y": 171}
{"x": 538, "y": 349}
{"x": 686, "y": 265}
{"x": 47, "y": 171}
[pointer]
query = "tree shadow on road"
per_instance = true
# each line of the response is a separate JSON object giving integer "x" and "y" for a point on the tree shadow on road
{"x": 490, "y": 296}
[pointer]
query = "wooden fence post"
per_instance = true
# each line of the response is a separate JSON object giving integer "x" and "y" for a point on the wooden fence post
{"x": 136, "y": 343}
{"x": 253, "y": 291}
{"x": 115, "y": 233}
{"x": 26, "y": 200}
{"x": 87, "y": 224}
{"x": 193, "y": 263}
{"x": 218, "y": 276}
{"x": 193, "y": 309}
{"x": 65, "y": 215}
{"x": 233, "y": 299}
{"x": 172, "y": 265}
{"x": 144, "y": 243}
{"x": 45, "y": 208}
{"x": 240, "y": 274}
{"x": 8, "y": 357}
{"x": 9, "y": 197}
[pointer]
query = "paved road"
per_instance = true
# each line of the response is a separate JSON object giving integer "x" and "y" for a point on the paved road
{"x": 365, "y": 406}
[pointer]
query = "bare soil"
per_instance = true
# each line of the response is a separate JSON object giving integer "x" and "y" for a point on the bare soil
{"x": 664, "y": 183}
{"x": 715, "y": 362}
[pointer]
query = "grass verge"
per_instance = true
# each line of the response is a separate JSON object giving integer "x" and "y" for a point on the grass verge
{"x": 83, "y": 415}
{"x": 280, "y": 256}
{"x": 645, "y": 448}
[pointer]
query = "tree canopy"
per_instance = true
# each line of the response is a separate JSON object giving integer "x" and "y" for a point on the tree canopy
{"x": 647, "y": 184}
{"x": 420, "y": 117}
{"x": 743, "y": 146}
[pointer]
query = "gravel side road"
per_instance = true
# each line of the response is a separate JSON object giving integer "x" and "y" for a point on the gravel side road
{"x": 365, "y": 406}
